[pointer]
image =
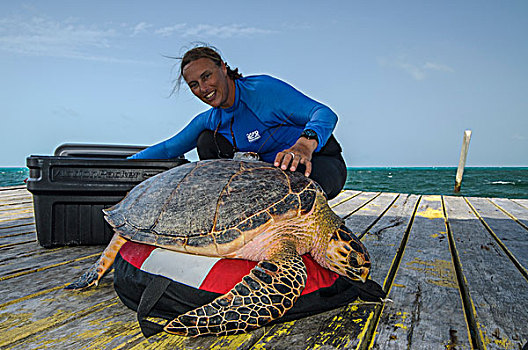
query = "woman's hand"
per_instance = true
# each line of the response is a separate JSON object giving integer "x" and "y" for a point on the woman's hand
{"x": 300, "y": 153}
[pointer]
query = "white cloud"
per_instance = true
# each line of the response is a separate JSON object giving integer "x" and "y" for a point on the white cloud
{"x": 207, "y": 30}
{"x": 438, "y": 67}
{"x": 418, "y": 73}
{"x": 170, "y": 30}
{"x": 43, "y": 36}
{"x": 66, "y": 113}
{"x": 416, "y": 70}
{"x": 226, "y": 31}
{"x": 141, "y": 27}
{"x": 519, "y": 137}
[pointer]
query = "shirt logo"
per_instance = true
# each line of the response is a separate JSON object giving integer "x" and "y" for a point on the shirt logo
{"x": 253, "y": 136}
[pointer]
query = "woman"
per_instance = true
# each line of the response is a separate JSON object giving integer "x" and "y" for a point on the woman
{"x": 258, "y": 114}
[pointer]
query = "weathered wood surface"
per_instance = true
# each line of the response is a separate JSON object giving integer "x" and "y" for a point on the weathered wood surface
{"x": 507, "y": 232}
{"x": 513, "y": 209}
{"x": 426, "y": 307}
{"x": 497, "y": 290}
{"x": 455, "y": 269}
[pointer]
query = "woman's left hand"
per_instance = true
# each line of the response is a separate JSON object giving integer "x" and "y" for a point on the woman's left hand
{"x": 300, "y": 153}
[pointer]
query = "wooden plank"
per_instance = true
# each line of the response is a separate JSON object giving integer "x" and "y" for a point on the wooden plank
{"x": 15, "y": 198}
{"x": 523, "y": 202}
{"x": 19, "y": 286}
{"x": 513, "y": 209}
{"x": 14, "y": 224}
{"x": 37, "y": 262}
{"x": 17, "y": 202}
{"x": 22, "y": 221}
{"x": 15, "y": 210}
{"x": 366, "y": 216}
{"x": 9, "y": 240}
{"x": 33, "y": 300}
{"x": 348, "y": 207}
{"x": 510, "y": 235}
{"x": 305, "y": 332}
{"x": 16, "y": 219}
{"x": 20, "y": 229}
{"x": 14, "y": 192}
{"x": 108, "y": 325}
{"x": 11, "y": 188}
{"x": 497, "y": 291}
{"x": 6, "y": 219}
{"x": 343, "y": 196}
{"x": 34, "y": 317}
{"x": 167, "y": 341}
{"x": 384, "y": 239}
{"x": 14, "y": 251}
{"x": 22, "y": 203}
{"x": 5, "y": 211}
{"x": 427, "y": 310}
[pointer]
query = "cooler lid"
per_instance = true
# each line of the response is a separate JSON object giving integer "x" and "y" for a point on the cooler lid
{"x": 86, "y": 150}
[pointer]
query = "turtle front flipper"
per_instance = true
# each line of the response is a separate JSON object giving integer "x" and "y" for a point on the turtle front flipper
{"x": 101, "y": 267}
{"x": 264, "y": 295}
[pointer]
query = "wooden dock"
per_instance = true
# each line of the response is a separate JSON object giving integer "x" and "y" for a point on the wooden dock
{"x": 456, "y": 269}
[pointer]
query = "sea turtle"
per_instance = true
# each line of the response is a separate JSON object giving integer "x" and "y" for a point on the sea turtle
{"x": 236, "y": 209}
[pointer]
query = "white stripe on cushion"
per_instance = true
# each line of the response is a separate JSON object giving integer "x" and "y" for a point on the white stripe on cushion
{"x": 184, "y": 268}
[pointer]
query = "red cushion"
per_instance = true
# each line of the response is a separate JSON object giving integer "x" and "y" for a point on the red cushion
{"x": 225, "y": 273}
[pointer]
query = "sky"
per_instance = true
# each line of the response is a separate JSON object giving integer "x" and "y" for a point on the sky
{"x": 406, "y": 78}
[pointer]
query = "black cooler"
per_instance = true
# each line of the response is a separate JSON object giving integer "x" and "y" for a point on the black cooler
{"x": 71, "y": 188}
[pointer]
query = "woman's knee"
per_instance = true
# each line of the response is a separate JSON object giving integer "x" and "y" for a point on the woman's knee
{"x": 330, "y": 173}
{"x": 213, "y": 146}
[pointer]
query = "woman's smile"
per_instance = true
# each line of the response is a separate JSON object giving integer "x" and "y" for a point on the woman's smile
{"x": 210, "y": 83}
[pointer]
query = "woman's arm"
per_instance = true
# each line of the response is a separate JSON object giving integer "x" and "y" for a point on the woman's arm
{"x": 179, "y": 144}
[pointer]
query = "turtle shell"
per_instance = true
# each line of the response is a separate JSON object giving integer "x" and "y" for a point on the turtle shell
{"x": 215, "y": 201}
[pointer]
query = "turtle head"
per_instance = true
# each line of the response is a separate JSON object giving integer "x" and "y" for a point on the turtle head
{"x": 347, "y": 256}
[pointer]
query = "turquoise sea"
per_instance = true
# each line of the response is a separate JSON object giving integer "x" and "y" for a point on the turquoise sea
{"x": 511, "y": 182}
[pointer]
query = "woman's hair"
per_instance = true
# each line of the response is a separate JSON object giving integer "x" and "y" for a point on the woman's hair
{"x": 204, "y": 52}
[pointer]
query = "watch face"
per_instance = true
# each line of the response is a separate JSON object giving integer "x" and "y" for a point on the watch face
{"x": 309, "y": 134}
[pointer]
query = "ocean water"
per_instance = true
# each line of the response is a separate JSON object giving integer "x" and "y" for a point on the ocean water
{"x": 13, "y": 176}
{"x": 511, "y": 182}
{"x": 478, "y": 182}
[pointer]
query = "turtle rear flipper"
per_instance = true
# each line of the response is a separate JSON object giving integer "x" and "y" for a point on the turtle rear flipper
{"x": 101, "y": 267}
{"x": 87, "y": 279}
{"x": 265, "y": 294}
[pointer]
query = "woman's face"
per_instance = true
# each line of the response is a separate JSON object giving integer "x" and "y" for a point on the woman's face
{"x": 210, "y": 83}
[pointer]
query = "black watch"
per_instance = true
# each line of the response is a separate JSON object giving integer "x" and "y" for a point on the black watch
{"x": 310, "y": 135}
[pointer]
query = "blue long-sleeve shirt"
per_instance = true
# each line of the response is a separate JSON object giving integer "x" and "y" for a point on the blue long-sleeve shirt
{"x": 268, "y": 116}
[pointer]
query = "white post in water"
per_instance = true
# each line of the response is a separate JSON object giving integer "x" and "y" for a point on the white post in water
{"x": 462, "y": 161}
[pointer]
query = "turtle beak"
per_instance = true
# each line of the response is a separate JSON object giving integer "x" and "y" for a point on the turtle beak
{"x": 364, "y": 274}
{"x": 359, "y": 274}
